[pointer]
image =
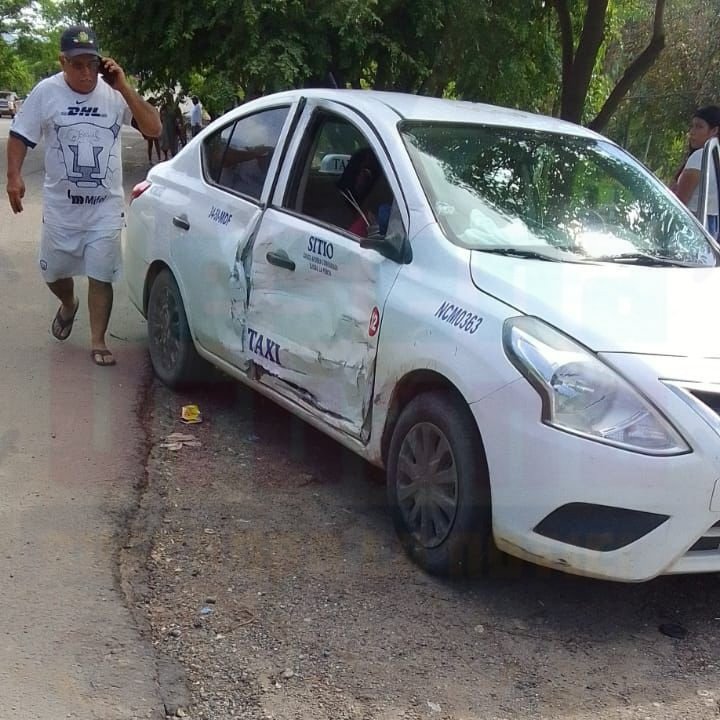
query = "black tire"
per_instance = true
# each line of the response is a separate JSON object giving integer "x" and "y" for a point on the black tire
{"x": 172, "y": 350}
{"x": 454, "y": 536}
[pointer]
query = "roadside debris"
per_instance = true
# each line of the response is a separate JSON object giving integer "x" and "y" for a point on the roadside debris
{"x": 190, "y": 414}
{"x": 177, "y": 441}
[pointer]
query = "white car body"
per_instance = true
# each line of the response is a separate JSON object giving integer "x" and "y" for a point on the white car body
{"x": 344, "y": 339}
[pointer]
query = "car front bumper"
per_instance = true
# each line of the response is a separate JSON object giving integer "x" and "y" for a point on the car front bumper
{"x": 584, "y": 507}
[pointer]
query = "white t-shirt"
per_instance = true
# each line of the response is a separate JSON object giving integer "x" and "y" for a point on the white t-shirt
{"x": 694, "y": 162}
{"x": 196, "y": 114}
{"x": 83, "y": 164}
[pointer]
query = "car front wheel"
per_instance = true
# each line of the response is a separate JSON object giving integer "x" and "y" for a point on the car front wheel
{"x": 438, "y": 488}
{"x": 172, "y": 351}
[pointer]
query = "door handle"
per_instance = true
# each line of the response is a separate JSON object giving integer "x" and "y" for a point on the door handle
{"x": 281, "y": 260}
{"x": 181, "y": 222}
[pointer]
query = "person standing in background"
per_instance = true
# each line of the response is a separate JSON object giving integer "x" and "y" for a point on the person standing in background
{"x": 80, "y": 119}
{"x": 169, "y": 135}
{"x": 195, "y": 116}
{"x": 152, "y": 142}
{"x": 704, "y": 125}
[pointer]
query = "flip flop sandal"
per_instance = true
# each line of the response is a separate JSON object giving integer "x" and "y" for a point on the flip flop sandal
{"x": 103, "y": 358}
{"x": 62, "y": 327}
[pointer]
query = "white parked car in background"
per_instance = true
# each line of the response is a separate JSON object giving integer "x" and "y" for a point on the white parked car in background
{"x": 9, "y": 104}
{"x": 507, "y": 312}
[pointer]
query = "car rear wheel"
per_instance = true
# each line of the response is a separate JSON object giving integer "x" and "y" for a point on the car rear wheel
{"x": 438, "y": 488}
{"x": 172, "y": 351}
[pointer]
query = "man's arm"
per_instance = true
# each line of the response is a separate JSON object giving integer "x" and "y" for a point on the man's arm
{"x": 146, "y": 116}
{"x": 16, "y": 151}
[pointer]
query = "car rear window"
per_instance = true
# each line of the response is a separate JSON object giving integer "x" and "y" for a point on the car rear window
{"x": 237, "y": 156}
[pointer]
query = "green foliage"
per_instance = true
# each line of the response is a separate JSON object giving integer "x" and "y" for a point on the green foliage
{"x": 39, "y": 53}
{"x": 218, "y": 94}
{"x": 30, "y": 50}
{"x": 14, "y": 74}
{"x": 483, "y": 35}
{"x": 653, "y": 121}
{"x": 507, "y": 52}
{"x": 11, "y": 15}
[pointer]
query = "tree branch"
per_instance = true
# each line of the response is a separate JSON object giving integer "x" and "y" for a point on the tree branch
{"x": 635, "y": 71}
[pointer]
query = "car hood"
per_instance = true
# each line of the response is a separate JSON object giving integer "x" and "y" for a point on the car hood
{"x": 612, "y": 307}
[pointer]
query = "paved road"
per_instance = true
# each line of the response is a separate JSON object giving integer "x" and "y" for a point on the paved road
{"x": 71, "y": 458}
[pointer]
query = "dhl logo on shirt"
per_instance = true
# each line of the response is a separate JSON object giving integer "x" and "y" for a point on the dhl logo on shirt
{"x": 84, "y": 111}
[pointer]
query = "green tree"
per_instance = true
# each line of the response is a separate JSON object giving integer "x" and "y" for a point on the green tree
{"x": 546, "y": 55}
{"x": 39, "y": 52}
{"x": 14, "y": 74}
{"x": 32, "y": 31}
{"x": 580, "y": 56}
{"x": 652, "y": 120}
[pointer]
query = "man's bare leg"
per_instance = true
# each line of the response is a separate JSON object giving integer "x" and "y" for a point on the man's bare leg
{"x": 62, "y": 324}
{"x": 64, "y": 291}
{"x": 100, "y": 300}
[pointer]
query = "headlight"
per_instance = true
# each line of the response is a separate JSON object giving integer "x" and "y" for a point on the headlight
{"x": 582, "y": 395}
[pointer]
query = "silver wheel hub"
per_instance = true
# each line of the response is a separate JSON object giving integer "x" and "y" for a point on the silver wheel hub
{"x": 427, "y": 484}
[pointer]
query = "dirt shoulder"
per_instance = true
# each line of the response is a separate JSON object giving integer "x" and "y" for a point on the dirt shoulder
{"x": 267, "y": 570}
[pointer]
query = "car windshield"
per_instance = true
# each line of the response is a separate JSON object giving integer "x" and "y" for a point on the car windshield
{"x": 566, "y": 198}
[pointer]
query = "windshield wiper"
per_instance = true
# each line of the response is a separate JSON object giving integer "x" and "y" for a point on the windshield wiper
{"x": 639, "y": 258}
{"x": 518, "y": 252}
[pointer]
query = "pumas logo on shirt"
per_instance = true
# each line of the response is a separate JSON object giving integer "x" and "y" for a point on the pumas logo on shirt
{"x": 84, "y": 111}
{"x": 87, "y": 149}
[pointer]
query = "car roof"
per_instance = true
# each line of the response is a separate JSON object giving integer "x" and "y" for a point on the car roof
{"x": 420, "y": 107}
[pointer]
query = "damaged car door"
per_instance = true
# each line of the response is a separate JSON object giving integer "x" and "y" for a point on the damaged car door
{"x": 219, "y": 212}
{"x": 323, "y": 262}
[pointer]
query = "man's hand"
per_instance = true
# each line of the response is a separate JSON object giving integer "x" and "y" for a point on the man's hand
{"x": 113, "y": 74}
{"x": 16, "y": 192}
{"x": 16, "y": 151}
{"x": 146, "y": 115}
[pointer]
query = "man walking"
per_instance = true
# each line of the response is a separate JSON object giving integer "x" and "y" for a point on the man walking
{"x": 195, "y": 116}
{"x": 79, "y": 119}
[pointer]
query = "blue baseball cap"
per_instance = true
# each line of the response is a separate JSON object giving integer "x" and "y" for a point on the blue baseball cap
{"x": 79, "y": 40}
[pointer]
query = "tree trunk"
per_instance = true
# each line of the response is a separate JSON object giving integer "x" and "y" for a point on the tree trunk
{"x": 578, "y": 69}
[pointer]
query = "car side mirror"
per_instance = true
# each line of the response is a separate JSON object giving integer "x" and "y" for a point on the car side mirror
{"x": 395, "y": 247}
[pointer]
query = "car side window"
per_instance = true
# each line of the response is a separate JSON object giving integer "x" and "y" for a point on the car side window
{"x": 237, "y": 157}
{"x": 339, "y": 180}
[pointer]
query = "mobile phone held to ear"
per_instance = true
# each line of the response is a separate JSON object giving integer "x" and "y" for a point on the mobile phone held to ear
{"x": 107, "y": 75}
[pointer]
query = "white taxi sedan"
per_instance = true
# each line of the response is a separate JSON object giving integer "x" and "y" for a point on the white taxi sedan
{"x": 506, "y": 312}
